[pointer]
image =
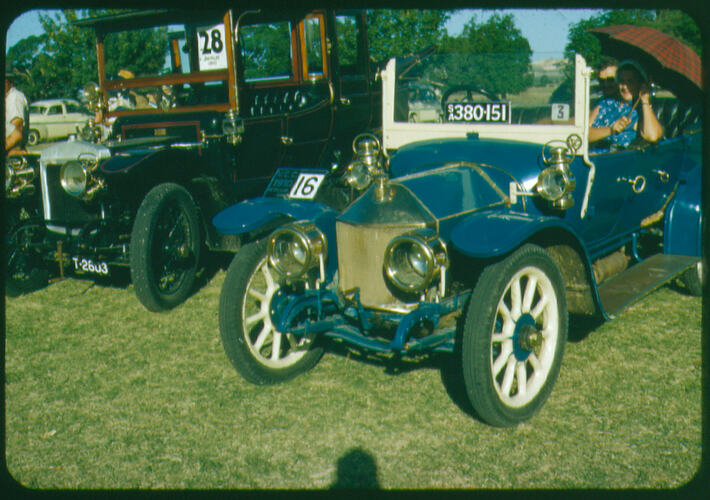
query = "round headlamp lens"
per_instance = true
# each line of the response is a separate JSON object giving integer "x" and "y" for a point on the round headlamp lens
{"x": 74, "y": 178}
{"x": 552, "y": 183}
{"x": 359, "y": 175}
{"x": 417, "y": 260}
{"x": 293, "y": 250}
{"x": 289, "y": 253}
{"x": 409, "y": 264}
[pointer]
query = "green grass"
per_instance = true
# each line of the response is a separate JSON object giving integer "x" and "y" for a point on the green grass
{"x": 101, "y": 393}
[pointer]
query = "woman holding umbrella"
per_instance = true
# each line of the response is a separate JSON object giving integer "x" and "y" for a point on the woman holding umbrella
{"x": 616, "y": 123}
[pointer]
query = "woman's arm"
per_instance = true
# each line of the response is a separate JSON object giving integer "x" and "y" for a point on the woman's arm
{"x": 650, "y": 128}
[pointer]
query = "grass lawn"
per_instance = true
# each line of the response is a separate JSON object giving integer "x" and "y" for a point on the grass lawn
{"x": 100, "y": 393}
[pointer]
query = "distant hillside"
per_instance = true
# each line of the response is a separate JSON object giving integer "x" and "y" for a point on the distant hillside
{"x": 551, "y": 69}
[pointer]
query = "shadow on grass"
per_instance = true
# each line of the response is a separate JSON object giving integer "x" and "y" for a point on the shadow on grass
{"x": 356, "y": 469}
{"x": 392, "y": 364}
{"x": 581, "y": 326}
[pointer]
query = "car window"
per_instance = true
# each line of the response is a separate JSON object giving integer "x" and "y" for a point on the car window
{"x": 37, "y": 109}
{"x": 266, "y": 51}
{"x": 487, "y": 88}
{"x": 178, "y": 49}
{"x": 72, "y": 107}
{"x": 314, "y": 46}
{"x": 55, "y": 110}
{"x": 346, "y": 28}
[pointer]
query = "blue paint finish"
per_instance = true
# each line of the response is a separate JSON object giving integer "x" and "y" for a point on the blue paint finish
{"x": 466, "y": 189}
{"x": 255, "y": 213}
{"x": 524, "y": 320}
{"x": 683, "y": 222}
{"x": 426, "y": 312}
{"x": 493, "y": 232}
{"x": 519, "y": 158}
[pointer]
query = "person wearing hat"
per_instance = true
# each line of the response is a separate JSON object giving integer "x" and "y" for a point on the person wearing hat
{"x": 615, "y": 122}
{"x": 16, "y": 115}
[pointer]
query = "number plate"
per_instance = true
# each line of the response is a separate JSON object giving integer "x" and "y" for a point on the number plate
{"x": 489, "y": 112}
{"x": 295, "y": 183}
{"x": 83, "y": 266}
{"x": 306, "y": 186}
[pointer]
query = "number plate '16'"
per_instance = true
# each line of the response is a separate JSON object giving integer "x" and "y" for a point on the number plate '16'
{"x": 306, "y": 186}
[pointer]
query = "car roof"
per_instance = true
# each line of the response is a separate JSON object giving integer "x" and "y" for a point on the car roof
{"x": 143, "y": 19}
{"x": 50, "y": 102}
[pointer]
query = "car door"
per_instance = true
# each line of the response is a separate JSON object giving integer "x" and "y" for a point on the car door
{"x": 74, "y": 117}
{"x": 55, "y": 121}
{"x": 607, "y": 197}
{"x": 358, "y": 104}
{"x": 268, "y": 68}
{"x": 309, "y": 117}
{"x": 650, "y": 180}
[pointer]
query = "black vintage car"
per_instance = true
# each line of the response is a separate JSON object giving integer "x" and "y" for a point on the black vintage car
{"x": 235, "y": 95}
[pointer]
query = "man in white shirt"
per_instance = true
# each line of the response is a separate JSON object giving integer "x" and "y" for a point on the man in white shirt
{"x": 16, "y": 115}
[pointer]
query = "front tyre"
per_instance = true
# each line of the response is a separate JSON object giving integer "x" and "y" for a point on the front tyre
{"x": 165, "y": 247}
{"x": 26, "y": 271}
{"x": 259, "y": 352}
{"x": 33, "y": 137}
{"x": 514, "y": 336}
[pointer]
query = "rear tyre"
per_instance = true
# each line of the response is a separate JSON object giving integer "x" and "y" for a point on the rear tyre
{"x": 165, "y": 247}
{"x": 693, "y": 279}
{"x": 259, "y": 352}
{"x": 514, "y": 336}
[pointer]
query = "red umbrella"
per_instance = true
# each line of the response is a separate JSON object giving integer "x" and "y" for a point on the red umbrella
{"x": 670, "y": 53}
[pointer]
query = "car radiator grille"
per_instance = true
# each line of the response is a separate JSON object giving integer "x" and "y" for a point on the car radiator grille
{"x": 59, "y": 207}
{"x": 361, "y": 251}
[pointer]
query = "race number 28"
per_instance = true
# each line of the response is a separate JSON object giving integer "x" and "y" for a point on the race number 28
{"x": 211, "y": 44}
{"x": 306, "y": 186}
{"x": 211, "y": 41}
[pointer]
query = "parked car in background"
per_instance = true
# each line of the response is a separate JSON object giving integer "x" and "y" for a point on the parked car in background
{"x": 52, "y": 119}
{"x": 425, "y": 104}
{"x": 474, "y": 237}
{"x": 236, "y": 94}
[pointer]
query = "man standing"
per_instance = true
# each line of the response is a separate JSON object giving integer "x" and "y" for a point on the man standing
{"x": 16, "y": 115}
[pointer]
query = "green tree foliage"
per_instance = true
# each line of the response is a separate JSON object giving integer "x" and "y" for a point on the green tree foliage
{"x": 672, "y": 22}
{"x": 266, "y": 49}
{"x": 63, "y": 59}
{"x": 402, "y": 32}
{"x": 143, "y": 52}
{"x": 508, "y": 72}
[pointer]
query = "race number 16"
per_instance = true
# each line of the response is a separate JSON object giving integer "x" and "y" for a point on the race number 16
{"x": 306, "y": 186}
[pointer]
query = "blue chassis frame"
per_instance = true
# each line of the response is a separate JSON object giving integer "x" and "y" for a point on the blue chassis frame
{"x": 338, "y": 316}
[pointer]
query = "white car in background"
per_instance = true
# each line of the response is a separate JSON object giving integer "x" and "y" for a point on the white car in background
{"x": 55, "y": 119}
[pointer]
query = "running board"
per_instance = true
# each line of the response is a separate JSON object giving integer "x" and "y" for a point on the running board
{"x": 641, "y": 279}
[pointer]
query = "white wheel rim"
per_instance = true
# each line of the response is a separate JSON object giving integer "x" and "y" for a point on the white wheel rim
{"x": 529, "y": 293}
{"x": 268, "y": 346}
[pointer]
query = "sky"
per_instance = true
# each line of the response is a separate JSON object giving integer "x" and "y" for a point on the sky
{"x": 546, "y": 30}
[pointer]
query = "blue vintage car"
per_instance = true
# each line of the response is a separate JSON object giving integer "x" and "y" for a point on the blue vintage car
{"x": 476, "y": 237}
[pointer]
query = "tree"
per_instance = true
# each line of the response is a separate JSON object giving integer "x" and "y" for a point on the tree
{"x": 403, "y": 32}
{"x": 508, "y": 72}
{"x": 63, "y": 59}
{"x": 672, "y": 22}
